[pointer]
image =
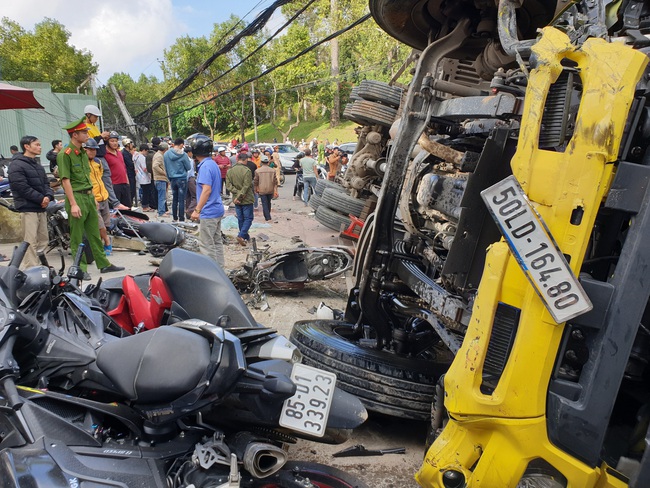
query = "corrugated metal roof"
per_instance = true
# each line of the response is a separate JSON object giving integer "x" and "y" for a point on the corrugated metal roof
{"x": 46, "y": 124}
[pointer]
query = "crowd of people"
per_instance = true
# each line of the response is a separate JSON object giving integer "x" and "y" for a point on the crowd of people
{"x": 100, "y": 171}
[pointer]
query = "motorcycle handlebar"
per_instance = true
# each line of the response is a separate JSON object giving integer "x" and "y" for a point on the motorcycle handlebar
{"x": 77, "y": 257}
{"x": 14, "y": 399}
{"x": 19, "y": 254}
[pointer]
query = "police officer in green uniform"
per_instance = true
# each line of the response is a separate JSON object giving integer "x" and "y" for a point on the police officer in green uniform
{"x": 74, "y": 171}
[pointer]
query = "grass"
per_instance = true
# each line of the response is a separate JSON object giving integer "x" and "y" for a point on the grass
{"x": 307, "y": 130}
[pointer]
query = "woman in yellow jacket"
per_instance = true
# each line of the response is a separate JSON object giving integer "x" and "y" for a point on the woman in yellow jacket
{"x": 100, "y": 192}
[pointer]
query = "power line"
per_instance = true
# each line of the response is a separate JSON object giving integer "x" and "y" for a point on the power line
{"x": 264, "y": 73}
{"x": 257, "y": 49}
{"x": 252, "y": 28}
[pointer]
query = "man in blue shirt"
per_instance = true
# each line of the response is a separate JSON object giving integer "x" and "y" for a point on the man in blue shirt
{"x": 209, "y": 207}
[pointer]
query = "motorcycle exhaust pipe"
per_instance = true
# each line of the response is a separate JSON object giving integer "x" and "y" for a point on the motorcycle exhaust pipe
{"x": 260, "y": 459}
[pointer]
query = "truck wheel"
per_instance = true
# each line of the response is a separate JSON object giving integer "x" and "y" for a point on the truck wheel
{"x": 315, "y": 201}
{"x": 330, "y": 218}
{"x": 342, "y": 202}
{"x": 321, "y": 185}
{"x": 354, "y": 94}
{"x": 372, "y": 113}
{"x": 348, "y": 115}
{"x": 385, "y": 382}
{"x": 378, "y": 91}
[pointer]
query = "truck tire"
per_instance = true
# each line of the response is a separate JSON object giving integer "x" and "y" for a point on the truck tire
{"x": 321, "y": 185}
{"x": 342, "y": 202}
{"x": 314, "y": 201}
{"x": 348, "y": 115}
{"x": 331, "y": 219}
{"x": 385, "y": 382}
{"x": 378, "y": 91}
{"x": 372, "y": 113}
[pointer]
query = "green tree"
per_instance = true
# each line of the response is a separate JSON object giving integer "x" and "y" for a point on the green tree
{"x": 136, "y": 95}
{"x": 43, "y": 55}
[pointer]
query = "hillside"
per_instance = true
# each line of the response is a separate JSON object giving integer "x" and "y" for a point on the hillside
{"x": 319, "y": 129}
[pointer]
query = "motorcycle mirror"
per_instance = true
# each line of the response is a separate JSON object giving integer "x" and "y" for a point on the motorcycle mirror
{"x": 75, "y": 272}
{"x": 43, "y": 259}
{"x": 223, "y": 322}
{"x": 62, "y": 256}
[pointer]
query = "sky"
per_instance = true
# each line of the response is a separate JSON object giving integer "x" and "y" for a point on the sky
{"x": 130, "y": 35}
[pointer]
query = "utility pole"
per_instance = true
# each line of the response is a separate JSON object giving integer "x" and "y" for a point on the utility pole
{"x": 254, "y": 114}
{"x": 169, "y": 120}
{"x": 133, "y": 128}
{"x": 334, "y": 71}
{"x": 169, "y": 123}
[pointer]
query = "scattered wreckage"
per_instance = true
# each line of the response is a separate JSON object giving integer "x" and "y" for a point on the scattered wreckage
{"x": 288, "y": 270}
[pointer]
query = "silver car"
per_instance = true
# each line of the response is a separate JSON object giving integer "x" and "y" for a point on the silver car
{"x": 288, "y": 153}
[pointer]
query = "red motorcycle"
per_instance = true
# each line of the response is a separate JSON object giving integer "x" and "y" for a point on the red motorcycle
{"x": 184, "y": 286}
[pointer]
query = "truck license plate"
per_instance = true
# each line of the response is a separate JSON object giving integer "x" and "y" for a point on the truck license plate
{"x": 536, "y": 251}
{"x": 307, "y": 411}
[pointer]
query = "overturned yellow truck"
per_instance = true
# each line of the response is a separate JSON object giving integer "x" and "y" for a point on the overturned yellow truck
{"x": 503, "y": 277}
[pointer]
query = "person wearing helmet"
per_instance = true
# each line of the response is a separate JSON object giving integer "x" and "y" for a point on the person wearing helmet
{"x": 119, "y": 176}
{"x": 100, "y": 192}
{"x": 256, "y": 158}
{"x": 276, "y": 166}
{"x": 92, "y": 115}
{"x": 177, "y": 164}
{"x": 209, "y": 207}
{"x": 223, "y": 162}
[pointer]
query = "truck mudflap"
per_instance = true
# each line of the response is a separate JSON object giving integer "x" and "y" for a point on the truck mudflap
{"x": 497, "y": 432}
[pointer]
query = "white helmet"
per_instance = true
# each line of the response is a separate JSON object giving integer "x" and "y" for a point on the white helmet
{"x": 221, "y": 148}
{"x": 92, "y": 110}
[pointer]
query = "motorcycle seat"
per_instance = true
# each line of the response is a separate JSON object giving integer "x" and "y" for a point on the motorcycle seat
{"x": 54, "y": 207}
{"x": 156, "y": 366}
{"x": 161, "y": 233}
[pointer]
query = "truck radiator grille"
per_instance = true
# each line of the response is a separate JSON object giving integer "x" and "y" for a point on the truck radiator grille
{"x": 504, "y": 330}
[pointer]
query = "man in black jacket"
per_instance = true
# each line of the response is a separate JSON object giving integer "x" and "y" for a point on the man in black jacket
{"x": 51, "y": 155}
{"x": 31, "y": 191}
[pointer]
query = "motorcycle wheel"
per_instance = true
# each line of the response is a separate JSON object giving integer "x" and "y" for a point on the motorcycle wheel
{"x": 387, "y": 383}
{"x": 300, "y": 474}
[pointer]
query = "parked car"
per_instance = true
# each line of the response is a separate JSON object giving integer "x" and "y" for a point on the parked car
{"x": 348, "y": 147}
{"x": 288, "y": 152}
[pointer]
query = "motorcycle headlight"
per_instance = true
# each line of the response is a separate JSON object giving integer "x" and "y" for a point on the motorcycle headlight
{"x": 64, "y": 214}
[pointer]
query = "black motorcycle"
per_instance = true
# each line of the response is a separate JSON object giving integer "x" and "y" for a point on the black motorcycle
{"x": 189, "y": 404}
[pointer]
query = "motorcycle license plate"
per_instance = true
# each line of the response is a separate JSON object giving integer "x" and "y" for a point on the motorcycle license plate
{"x": 536, "y": 251}
{"x": 307, "y": 411}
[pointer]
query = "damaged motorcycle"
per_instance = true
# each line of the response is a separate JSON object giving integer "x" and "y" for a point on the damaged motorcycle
{"x": 287, "y": 271}
{"x": 188, "y": 404}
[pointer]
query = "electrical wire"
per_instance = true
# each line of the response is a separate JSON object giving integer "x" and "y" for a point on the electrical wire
{"x": 359, "y": 21}
{"x": 250, "y": 55}
{"x": 251, "y": 29}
